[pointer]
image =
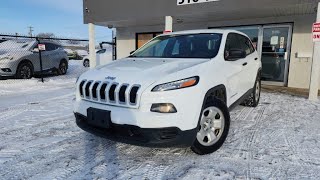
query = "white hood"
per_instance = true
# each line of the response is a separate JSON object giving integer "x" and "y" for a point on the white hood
{"x": 142, "y": 71}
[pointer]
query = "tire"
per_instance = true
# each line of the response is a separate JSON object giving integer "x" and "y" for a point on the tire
{"x": 254, "y": 98}
{"x": 212, "y": 132}
{"x": 25, "y": 71}
{"x": 63, "y": 67}
{"x": 86, "y": 63}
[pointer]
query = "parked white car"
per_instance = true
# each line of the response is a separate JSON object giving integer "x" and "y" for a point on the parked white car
{"x": 20, "y": 58}
{"x": 103, "y": 56}
{"x": 176, "y": 90}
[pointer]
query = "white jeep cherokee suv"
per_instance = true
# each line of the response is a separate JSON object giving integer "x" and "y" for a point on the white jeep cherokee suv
{"x": 176, "y": 90}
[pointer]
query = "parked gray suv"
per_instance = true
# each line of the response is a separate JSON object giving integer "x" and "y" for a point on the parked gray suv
{"x": 20, "y": 58}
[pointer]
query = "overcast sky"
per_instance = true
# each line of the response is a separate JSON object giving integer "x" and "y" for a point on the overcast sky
{"x": 64, "y": 18}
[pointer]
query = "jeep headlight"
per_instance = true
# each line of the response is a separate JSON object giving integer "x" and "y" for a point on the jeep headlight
{"x": 183, "y": 83}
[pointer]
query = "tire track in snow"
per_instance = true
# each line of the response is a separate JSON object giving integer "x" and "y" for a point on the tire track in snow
{"x": 252, "y": 137}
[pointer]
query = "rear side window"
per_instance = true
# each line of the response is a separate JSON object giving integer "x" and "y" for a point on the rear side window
{"x": 238, "y": 41}
{"x": 246, "y": 45}
{"x": 50, "y": 47}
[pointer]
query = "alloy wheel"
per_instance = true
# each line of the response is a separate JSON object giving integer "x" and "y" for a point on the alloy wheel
{"x": 211, "y": 126}
{"x": 25, "y": 72}
{"x": 63, "y": 68}
{"x": 86, "y": 63}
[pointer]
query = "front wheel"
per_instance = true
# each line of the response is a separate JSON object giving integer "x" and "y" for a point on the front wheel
{"x": 86, "y": 63}
{"x": 63, "y": 67}
{"x": 24, "y": 71}
{"x": 213, "y": 127}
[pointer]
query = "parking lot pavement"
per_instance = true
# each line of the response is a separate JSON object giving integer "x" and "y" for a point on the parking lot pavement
{"x": 279, "y": 139}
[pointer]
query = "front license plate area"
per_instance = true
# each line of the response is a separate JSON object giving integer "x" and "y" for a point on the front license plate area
{"x": 99, "y": 118}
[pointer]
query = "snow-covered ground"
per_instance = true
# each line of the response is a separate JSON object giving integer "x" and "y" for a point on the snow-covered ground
{"x": 280, "y": 139}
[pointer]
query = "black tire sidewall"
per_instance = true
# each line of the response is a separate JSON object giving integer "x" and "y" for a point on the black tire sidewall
{"x": 18, "y": 73}
{"x": 85, "y": 61}
{"x": 59, "y": 70}
{"x": 255, "y": 102}
{"x": 199, "y": 148}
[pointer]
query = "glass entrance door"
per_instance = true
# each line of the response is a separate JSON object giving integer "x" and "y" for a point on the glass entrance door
{"x": 273, "y": 43}
{"x": 275, "y": 53}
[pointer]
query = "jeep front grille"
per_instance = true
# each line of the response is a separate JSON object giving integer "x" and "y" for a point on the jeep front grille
{"x": 109, "y": 92}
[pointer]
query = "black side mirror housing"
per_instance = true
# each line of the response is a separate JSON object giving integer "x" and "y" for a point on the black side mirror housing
{"x": 235, "y": 54}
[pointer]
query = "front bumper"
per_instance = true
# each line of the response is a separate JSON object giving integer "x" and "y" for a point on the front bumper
{"x": 7, "y": 65}
{"x": 149, "y": 137}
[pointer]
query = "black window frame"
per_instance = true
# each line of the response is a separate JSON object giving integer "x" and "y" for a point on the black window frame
{"x": 237, "y": 35}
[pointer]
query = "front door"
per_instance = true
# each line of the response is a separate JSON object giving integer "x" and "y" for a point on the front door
{"x": 275, "y": 53}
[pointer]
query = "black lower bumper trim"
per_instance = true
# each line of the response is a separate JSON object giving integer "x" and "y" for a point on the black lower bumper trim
{"x": 149, "y": 137}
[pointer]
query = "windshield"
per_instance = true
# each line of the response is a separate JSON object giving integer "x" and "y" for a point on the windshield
{"x": 181, "y": 46}
{"x": 15, "y": 44}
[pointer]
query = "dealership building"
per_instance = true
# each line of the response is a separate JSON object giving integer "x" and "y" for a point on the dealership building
{"x": 280, "y": 30}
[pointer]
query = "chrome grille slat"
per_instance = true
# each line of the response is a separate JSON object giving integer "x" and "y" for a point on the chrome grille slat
{"x": 134, "y": 94}
{"x": 94, "y": 90}
{"x": 98, "y": 91}
{"x": 127, "y": 95}
{"x": 102, "y": 91}
{"x": 81, "y": 85}
{"x": 90, "y": 89}
{"x": 122, "y": 93}
{"x": 112, "y": 93}
{"x": 107, "y": 92}
{"x": 84, "y": 89}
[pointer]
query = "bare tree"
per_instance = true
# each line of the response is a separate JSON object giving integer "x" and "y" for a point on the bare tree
{"x": 46, "y": 35}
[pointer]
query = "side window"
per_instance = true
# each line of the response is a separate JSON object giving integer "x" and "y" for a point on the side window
{"x": 252, "y": 48}
{"x": 231, "y": 43}
{"x": 246, "y": 45}
{"x": 50, "y": 46}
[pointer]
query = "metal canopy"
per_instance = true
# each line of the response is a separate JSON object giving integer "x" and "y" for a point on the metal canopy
{"x": 124, "y": 13}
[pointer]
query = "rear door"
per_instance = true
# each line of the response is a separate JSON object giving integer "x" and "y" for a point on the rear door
{"x": 236, "y": 74}
{"x": 45, "y": 56}
{"x": 250, "y": 67}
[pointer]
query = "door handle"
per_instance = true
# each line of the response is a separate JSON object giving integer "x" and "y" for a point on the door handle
{"x": 244, "y": 64}
{"x": 255, "y": 59}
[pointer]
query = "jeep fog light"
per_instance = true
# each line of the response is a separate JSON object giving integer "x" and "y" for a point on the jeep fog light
{"x": 163, "y": 108}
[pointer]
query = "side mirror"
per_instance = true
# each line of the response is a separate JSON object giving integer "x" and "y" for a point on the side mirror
{"x": 235, "y": 54}
{"x": 35, "y": 50}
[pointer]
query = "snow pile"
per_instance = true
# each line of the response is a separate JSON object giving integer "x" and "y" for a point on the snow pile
{"x": 19, "y": 86}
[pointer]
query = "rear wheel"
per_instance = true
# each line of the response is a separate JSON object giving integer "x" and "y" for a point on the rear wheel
{"x": 86, "y": 63}
{"x": 254, "y": 98}
{"x": 213, "y": 127}
{"x": 63, "y": 67}
{"x": 24, "y": 71}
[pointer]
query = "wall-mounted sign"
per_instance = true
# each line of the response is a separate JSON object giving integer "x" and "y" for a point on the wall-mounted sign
{"x": 186, "y": 2}
{"x": 274, "y": 40}
{"x": 282, "y": 42}
{"x": 316, "y": 32}
{"x": 41, "y": 47}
